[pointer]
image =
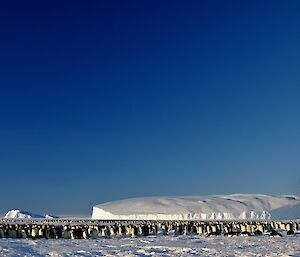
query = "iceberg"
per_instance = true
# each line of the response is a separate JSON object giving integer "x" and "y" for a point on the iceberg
{"x": 211, "y": 207}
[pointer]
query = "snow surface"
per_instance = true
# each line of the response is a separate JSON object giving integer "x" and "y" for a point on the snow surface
{"x": 235, "y": 206}
{"x": 18, "y": 214}
{"x": 155, "y": 246}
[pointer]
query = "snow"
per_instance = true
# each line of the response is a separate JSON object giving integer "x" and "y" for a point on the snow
{"x": 18, "y": 214}
{"x": 155, "y": 246}
{"x": 235, "y": 206}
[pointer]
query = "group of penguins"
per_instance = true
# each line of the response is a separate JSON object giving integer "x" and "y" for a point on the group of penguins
{"x": 211, "y": 228}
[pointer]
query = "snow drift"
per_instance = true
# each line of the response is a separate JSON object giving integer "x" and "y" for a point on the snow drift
{"x": 213, "y": 207}
{"x": 18, "y": 214}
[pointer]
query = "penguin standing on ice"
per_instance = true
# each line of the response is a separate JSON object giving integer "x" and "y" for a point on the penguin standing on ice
{"x": 73, "y": 232}
{"x": 47, "y": 233}
{"x": 164, "y": 229}
{"x": 122, "y": 230}
{"x": 85, "y": 232}
{"x": 289, "y": 228}
{"x": 198, "y": 232}
{"x": 134, "y": 231}
{"x": 66, "y": 232}
{"x": 22, "y": 232}
{"x": 12, "y": 232}
{"x": 94, "y": 232}
{"x": 2, "y": 231}
{"x": 145, "y": 230}
{"x": 40, "y": 233}
{"x": 112, "y": 230}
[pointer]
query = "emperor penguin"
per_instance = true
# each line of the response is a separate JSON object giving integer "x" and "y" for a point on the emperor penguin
{"x": 22, "y": 232}
{"x": 208, "y": 229}
{"x": 12, "y": 232}
{"x": 164, "y": 229}
{"x": 72, "y": 232}
{"x": 112, "y": 230}
{"x": 274, "y": 233}
{"x": 85, "y": 233}
{"x": 1, "y": 231}
{"x": 67, "y": 232}
{"x": 94, "y": 233}
{"x": 155, "y": 229}
{"x": 47, "y": 232}
{"x": 199, "y": 229}
{"x": 59, "y": 230}
{"x": 288, "y": 226}
{"x": 34, "y": 232}
{"x": 134, "y": 231}
{"x": 145, "y": 230}
{"x": 40, "y": 232}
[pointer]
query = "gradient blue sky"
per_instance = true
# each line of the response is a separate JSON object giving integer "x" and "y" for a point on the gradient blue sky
{"x": 102, "y": 100}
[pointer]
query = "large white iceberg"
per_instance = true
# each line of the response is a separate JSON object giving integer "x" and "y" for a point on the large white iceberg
{"x": 18, "y": 214}
{"x": 212, "y": 207}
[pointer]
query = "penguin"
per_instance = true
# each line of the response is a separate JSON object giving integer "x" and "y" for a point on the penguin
{"x": 104, "y": 232}
{"x": 134, "y": 231}
{"x": 47, "y": 233}
{"x": 208, "y": 229}
{"x": 78, "y": 232}
{"x": 2, "y": 231}
{"x": 40, "y": 233}
{"x": 122, "y": 230}
{"x": 72, "y": 233}
{"x": 200, "y": 230}
{"x": 290, "y": 232}
{"x": 59, "y": 231}
{"x": 213, "y": 231}
{"x": 257, "y": 232}
{"x": 288, "y": 226}
{"x": 164, "y": 229}
{"x": 12, "y": 232}
{"x": 145, "y": 230}
{"x": 274, "y": 233}
{"x": 155, "y": 229}
{"x": 85, "y": 233}
{"x": 268, "y": 227}
{"x": 112, "y": 230}
{"x": 226, "y": 229}
{"x": 94, "y": 233}
{"x": 66, "y": 232}
{"x": 22, "y": 233}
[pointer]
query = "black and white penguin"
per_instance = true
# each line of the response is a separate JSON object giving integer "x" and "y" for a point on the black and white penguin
{"x": 66, "y": 232}
{"x": 133, "y": 231}
{"x": 164, "y": 229}
{"x": 2, "y": 231}
{"x": 22, "y": 232}
{"x": 274, "y": 233}
{"x": 290, "y": 232}
{"x": 85, "y": 232}
{"x": 12, "y": 232}
{"x": 94, "y": 232}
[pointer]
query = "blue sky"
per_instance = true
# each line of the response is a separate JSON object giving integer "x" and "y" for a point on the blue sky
{"x": 103, "y": 100}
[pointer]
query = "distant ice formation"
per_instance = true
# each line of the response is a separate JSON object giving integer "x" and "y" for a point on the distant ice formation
{"x": 212, "y": 207}
{"x": 18, "y": 214}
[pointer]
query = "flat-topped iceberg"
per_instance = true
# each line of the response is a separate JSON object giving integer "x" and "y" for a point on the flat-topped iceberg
{"x": 212, "y": 207}
{"x": 18, "y": 214}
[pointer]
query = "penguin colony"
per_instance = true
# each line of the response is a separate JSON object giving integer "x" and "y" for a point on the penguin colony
{"x": 100, "y": 229}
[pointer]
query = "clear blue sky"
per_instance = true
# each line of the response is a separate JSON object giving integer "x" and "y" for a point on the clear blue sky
{"x": 102, "y": 100}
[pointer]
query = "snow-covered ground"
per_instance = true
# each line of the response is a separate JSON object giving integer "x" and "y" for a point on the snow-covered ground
{"x": 212, "y": 207}
{"x": 155, "y": 246}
